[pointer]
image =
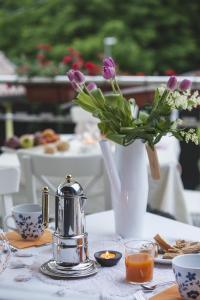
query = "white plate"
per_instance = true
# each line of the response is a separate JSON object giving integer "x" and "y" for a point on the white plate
{"x": 160, "y": 260}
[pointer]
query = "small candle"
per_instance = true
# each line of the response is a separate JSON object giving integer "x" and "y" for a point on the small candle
{"x": 107, "y": 258}
{"x": 107, "y": 255}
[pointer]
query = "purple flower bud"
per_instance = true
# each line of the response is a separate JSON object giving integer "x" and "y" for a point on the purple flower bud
{"x": 79, "y": 78}
{"x": 185, "y": 84}
{"x": 108, "y": 62}
{"x": 172, "y": 83}
{"x": 108, "y": 72}
{"x": 91, "y": 86}
{"x": 70, "y": 75}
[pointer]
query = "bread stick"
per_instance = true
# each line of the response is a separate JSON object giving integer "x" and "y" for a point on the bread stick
{"x": 162, "y": 243}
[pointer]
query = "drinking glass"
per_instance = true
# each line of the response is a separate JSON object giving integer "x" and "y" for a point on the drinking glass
{"x": 139, "y": 261}
{"x": 5, "y": 251}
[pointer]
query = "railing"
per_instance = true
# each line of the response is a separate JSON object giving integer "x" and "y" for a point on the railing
{"x": 130, "y": 85}
{"x": 122, "y": 80}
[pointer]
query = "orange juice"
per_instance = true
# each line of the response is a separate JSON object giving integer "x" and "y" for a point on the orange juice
{"x": 139, "y": 267}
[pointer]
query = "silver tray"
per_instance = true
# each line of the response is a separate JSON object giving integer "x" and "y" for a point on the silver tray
{"x": 52, "y": 269}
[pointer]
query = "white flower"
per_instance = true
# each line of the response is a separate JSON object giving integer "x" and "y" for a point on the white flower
{"x": 176, "y": 123}
{"x": 179, "y": 122}
{"x": 190, "y": 135}
{"x": 161, "y": 90}
{"x": 181, "y": 102}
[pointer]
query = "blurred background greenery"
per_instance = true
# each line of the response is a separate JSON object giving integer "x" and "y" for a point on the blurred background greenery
{"x": 153, "y": 37}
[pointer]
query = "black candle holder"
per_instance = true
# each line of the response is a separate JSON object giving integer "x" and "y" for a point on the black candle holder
{"x": 107, "y": 262}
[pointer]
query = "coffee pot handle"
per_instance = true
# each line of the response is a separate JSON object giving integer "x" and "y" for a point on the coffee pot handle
{"x": 45, "y": 206}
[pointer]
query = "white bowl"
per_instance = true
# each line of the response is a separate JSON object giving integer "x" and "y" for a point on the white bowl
{"x": 187, "y": 272}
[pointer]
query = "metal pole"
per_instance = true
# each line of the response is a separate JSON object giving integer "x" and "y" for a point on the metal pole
{"x": 9, "y": 126}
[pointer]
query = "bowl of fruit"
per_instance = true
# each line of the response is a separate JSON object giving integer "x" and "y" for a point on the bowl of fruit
{"x": 26, "y": 141}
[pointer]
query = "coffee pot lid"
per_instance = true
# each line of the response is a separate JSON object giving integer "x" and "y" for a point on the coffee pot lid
{"x": 70, "y": 188}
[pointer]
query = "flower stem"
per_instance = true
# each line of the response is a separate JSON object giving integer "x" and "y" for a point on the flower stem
{"x": 89, "y": 93}
{"x": 117, "y": 85}
{"x": 97, "y": 103}
{"x": 79, "y": 89}
{"x": 113, "y": 87}
{"x": 157, "y": 107}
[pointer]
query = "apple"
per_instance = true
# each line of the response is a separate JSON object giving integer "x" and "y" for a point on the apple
{"x": 39, "y": 139}
{"x": 13, "y": 142}
{"x": 27, "y": 141}
{"x": 50, "y": 136}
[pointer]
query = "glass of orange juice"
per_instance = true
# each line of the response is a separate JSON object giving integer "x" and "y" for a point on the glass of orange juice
{"x": 139, "y": 261}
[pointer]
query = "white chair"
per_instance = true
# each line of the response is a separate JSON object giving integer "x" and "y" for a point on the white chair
{"x": 46, "y": 168}
{"x": 80, "y": 115}
{"x": 86, "y": 124}
{"x": 9, "y": 184}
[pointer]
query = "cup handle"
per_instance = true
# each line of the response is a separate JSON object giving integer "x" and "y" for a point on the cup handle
{"x": 6, "y": 222}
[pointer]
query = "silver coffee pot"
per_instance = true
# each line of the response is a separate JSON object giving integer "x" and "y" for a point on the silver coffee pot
{"x": 70, "y": 240}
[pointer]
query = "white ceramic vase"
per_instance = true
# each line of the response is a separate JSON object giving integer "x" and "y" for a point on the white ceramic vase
{"x": 130, "y": 208}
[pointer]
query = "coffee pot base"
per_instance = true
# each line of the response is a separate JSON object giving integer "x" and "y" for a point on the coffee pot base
{"x": 82, "y": 270}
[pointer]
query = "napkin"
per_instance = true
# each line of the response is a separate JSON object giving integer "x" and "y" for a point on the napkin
{"x": 170, "y": 293}
{"x": 16, "y": 240}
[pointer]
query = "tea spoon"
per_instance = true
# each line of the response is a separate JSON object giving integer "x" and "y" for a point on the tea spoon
{"x": 151, "y": 287}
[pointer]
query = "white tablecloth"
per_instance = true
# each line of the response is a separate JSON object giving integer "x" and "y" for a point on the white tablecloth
{"x": 109, "y": 283}
{"x": 165, "y": 194}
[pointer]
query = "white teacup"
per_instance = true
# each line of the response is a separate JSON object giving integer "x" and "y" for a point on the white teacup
{"x": 28, "y": 221}
{"x": 187, "y": 272}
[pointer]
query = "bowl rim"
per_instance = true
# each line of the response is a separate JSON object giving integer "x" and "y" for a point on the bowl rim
{"x": 175, "y": 264}
{"x": 98, "y": 253}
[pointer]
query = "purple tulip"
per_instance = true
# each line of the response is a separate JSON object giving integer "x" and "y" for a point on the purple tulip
{"x": 108, "y": 62}
{"x": 172, "y": 83}
{"x": 185, "y": 84}
{"x": 108, "y": 72}
{"x": 70, "y": 75}
{"x": 79, "y": 78}
{"x": 91, "y": 86}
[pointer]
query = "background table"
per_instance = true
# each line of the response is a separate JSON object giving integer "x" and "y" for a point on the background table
{"x": 166, "y": 194}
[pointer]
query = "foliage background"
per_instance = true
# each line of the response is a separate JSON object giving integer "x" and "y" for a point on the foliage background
{"x": 153, "y": 35}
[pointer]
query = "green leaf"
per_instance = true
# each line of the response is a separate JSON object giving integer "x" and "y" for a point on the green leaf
{"x": 85, "y": 98}
{"x": 103, "y": 128}
{"x": 158, "y": 138}
{"x": 198, "y": 133}
{"x": 113, "y": 100}
{"x": 85, "y": 106}
{"x": 117, "y": 138}
{"x": 177, "y": 135}
{"x": 143, "y": 116}
{"x": 99, "y": 97}
{"x": 126, "y": 129}
{"x": 156, "y": 96}
{"x": 127, "y": 108}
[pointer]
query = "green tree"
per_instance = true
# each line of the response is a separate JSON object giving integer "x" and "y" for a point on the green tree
{"x": 152, "y": 35}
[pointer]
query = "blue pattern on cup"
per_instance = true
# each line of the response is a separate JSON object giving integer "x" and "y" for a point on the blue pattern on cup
{"x": 29, "y": 227}
{"x": 189, "y": 285}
